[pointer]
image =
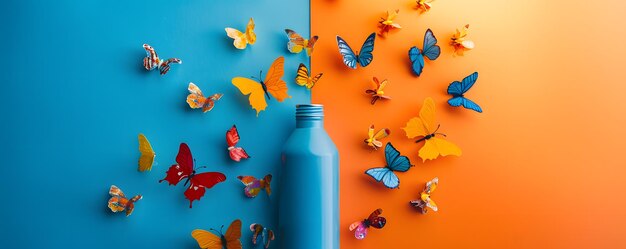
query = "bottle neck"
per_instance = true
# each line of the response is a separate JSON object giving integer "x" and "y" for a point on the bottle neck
{"x": 309, "y": 116}
{"x": 307, "y": 123}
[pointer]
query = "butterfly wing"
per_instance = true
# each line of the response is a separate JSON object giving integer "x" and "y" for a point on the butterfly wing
{"x": 417, "y": 60}
{"x": 209, "y": 103}
{"x": 268, "y": 238}
{"x": 151, "y": 61}
{"x": 365, "y": 55}
{"x": 206, "y": 239}
{"x": 199, "y": 184}
{"x": 233, "y": 235}
{"x": 195, "y": 99}
{"x": 147, "y": 154}
{"x": 296, "y": 42}
{"x": 239, "y": 39}
{"x": 164, "y": 67}
{"x": 384, "y": 175}
{"x": 422, "y": 125}
{"x": 395, "y": 161}
{"x": 435, "y": 146}
{"x": 254, "y": 89}
{"x": 275, "y": 85}
{"x": 302, "y": 78}
{"x": 232, "y": 138}
{"x": 457, "y": 89}
{"x": 118, "y": 201}
{"x": 257, "y": 230}
{"x": 425, "y": 196}
{"x": 253, "y": 185}
{"x": 360, "y": 230}
{"x": 250, "y": 35}
{"x": 349, "y": 57}
{"x": 310, "y": 45}
{"x": 431, "y": 49}
{"x": 376, "y": 220}
{"x": 183, "y": 167}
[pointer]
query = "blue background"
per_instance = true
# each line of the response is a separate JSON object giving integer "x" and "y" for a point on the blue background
{"x": 75, "y": 96}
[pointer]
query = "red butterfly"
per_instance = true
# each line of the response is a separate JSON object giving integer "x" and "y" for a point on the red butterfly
{"x": 232, "y": 138}
{"x": 184, "y": 169}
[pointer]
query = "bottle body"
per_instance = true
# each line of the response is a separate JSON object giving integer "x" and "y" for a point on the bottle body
{"x": 309, "y": 196}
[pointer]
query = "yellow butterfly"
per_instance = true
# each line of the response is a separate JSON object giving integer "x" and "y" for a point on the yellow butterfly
{"x": 459, "y": 42}
{"x": 242, "y": 39}
{"x": 304, "y": 79}
{"x": 273, "y": 85}
{"x": 424, "y": 126}
{"x": 387, "y": 24}
{"x": 147, "y": 154}
{"x": 424, "y": 5}
{"x": 425, "y": 200}
{"x": 372, "y": 139}
{"x": 297, "y": 43}
{"x": 196, "y": 99}
{"x": 229, "y": 240}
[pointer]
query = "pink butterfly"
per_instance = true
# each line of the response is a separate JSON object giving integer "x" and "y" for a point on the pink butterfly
{"x": 232, "y": 138}
{"x": 374, "y": 220}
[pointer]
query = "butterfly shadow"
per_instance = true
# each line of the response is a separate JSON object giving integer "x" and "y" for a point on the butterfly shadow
{"x": 377, "y": 186}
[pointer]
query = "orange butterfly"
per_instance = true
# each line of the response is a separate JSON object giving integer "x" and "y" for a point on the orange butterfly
{"x": 258, "y": 91}
{"x": 373, "y": 139}
{"x": 242, "y": 39}
{"x": 424, "y": 5}
{"x": 387, "y": 24}
{"x": 377, "y": 91}
{"x": 424, "y": 127}
{"x": 118, "y": 201}
{"x": 304, "y": 79}
{"x": 459, "y": 42}
{"x": 196, "y": 99}
{"x": 297, "y": 43}
{"x": 228, "y": 240}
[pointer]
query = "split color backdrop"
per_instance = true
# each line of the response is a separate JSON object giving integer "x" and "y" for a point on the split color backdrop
{"x": 541, "y": 167}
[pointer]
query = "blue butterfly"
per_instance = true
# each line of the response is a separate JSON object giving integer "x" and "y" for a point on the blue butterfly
{"x": 395, "y": 162}
{"x": 431, "y": 50}
{"x": 364, "y": 57}
{"x": 457, "y": 89}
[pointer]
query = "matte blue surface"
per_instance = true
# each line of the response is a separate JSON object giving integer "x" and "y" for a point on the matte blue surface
{"x": 309, "y": 212}
{"x": 75, "y": 96}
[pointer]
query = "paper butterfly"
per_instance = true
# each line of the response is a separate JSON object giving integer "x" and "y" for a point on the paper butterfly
{"x": 458, "y": 89}
{"x": 241, "y": 40}
{"x": 459, "y": 42}
{"x": 184, "y": 168}
{"x": 273, "y": 85}
{"x": 152, "y": 61}
{"x": 424, "y": 5}
{"x": 364, "y": 57}
{"x": 395, "y": 162}
{"x": 118, "y": 201}
{"x": 297, "y": 43}
{"x": 373, "y": 139}
{"x": 377, "y": 90}
{"x": 147, "y": 154}
{"x": 424, "y": 127}
{"x": 232, "y": 138}
{"x": 196, "y": 99}
{"x": 424, "y": 200}
{"x": 387, "y": 24}
{"x": 431, "y": 50}
{"x": 374, "y": 220}
{"x": 228, "y": 240}
{"x": 254, "y": 186}
{"x": 266, "y": 234}
{"x": 304, "y": 79}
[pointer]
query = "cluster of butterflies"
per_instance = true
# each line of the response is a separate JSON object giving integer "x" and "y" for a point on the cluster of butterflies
{"x": 423, "y": 128}
{"x": 231, "y": 239}
{"x": 258, "y": 91}
{"x": 185, "y": 169}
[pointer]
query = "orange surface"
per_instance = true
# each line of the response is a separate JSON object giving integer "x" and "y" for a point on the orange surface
{"x": 542, "y": 167}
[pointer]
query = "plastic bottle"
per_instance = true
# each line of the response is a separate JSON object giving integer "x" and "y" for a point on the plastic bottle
{"x": 309, "y": 194}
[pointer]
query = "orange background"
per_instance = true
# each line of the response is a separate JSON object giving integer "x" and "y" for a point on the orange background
{"x": 543, "y": 166}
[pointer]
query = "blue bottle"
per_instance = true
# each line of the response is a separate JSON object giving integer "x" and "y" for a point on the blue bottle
{"x": 308, "y": 215}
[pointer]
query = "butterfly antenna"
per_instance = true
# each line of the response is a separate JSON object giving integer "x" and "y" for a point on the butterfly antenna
{"x": 439, "y": 133}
